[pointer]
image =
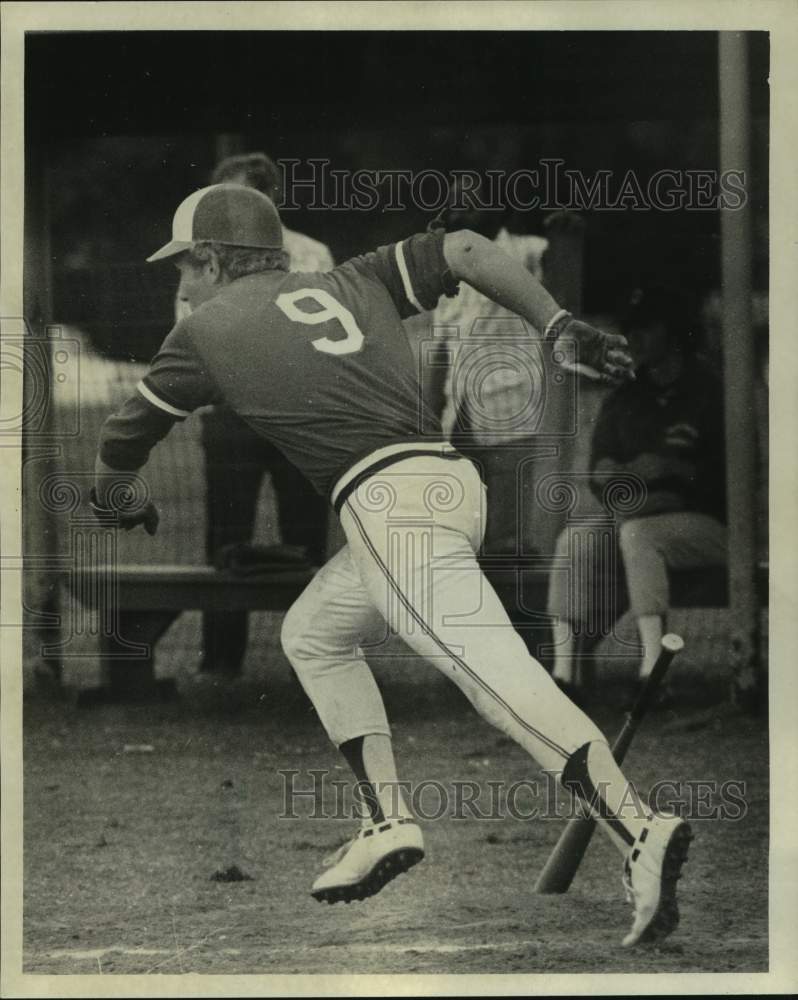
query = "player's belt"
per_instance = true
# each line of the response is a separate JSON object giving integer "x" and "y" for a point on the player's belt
{"x": 381, "y": 459}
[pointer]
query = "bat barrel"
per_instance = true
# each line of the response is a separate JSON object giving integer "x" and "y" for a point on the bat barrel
{"x": 563, "y": 862}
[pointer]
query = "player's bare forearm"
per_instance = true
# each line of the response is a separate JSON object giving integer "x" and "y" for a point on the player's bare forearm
{"x": 578, "y": 346}
{"x": 479, "y": 262}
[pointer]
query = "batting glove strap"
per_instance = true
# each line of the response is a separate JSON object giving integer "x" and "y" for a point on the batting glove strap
{"x": 555, "y": 326}
{"x": 100, "y": 509}
{"x": 96, "y": 507}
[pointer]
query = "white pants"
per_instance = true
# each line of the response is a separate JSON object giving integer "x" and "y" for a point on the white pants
{"x": 412, "y": 531}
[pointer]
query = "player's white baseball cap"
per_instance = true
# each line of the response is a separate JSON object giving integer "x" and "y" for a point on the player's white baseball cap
{"x": 224, "y": 213}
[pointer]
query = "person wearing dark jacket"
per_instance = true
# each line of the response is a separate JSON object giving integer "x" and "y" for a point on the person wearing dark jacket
{"x": 662, "y": 433}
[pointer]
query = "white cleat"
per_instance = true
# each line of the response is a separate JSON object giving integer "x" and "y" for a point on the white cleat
{"x": 361, "y": 867}
{"x": 651, "y": 871}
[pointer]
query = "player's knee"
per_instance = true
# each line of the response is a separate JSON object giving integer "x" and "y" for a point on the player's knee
{"x": 294, "y": 635}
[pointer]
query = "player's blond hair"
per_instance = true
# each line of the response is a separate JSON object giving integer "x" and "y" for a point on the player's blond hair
{"x": 236, "y": 262}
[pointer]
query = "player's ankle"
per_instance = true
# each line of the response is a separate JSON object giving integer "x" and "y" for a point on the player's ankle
{"x": 393, "y": 802}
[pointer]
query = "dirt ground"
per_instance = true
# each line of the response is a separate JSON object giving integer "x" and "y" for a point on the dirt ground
{"x": 122, "y": 843}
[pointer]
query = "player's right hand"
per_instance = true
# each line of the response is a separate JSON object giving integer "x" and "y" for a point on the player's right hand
{"x": 147, "y": 514}
{"x": 588, "y": 351}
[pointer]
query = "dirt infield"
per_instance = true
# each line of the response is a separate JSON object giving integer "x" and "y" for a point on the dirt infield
{"x": 134, "y": 818}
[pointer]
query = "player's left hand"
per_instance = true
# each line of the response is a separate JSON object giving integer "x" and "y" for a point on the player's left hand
{"x": 588, "y": 351}
{"x": 146, "y": 514}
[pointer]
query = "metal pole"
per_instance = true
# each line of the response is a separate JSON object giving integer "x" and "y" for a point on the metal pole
{"x": 739, "y": 368}
{"x": 40, "y": 455}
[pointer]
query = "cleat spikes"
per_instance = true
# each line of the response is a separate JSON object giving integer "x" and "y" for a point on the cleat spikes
{"x": 387, "y": 870}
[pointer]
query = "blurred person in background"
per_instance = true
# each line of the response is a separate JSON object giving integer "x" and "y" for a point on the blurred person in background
{"x": 666, "y": 428}
{"x": 488, "y": 391}
{"x": 236, "y": 458}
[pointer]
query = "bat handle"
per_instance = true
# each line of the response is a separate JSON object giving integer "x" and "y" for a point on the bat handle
{"x": 671, "y": 644}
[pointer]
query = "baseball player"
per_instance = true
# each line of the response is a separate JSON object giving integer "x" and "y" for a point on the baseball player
{"x": 320, "y": 365}
{"x": 236, "y": 457}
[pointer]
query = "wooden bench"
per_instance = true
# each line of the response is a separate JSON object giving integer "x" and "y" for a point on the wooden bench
{"x": 139, "y": 603}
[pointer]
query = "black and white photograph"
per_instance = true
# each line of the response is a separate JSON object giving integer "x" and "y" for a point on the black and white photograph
{"x": 388, "y": 499}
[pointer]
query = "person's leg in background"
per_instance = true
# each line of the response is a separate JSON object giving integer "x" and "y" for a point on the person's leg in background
{"x": 570, "y": 583}
{"x": 500, "y": 467}
{"x": 497, "y": 465}
{"x": 234, "y": 468}
{"x": 302, "y": 512}
{"x": 498, "y": 475}
{"x": 650, "y": 546}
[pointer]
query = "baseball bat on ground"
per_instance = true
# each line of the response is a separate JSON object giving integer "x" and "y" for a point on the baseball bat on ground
{"x": 564, "y": 860}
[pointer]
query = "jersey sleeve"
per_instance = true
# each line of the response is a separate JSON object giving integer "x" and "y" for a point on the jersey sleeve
{"x": 177, "y": 381}
{"x": 175, "y": 384}
{"x": 414, "y": 271}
